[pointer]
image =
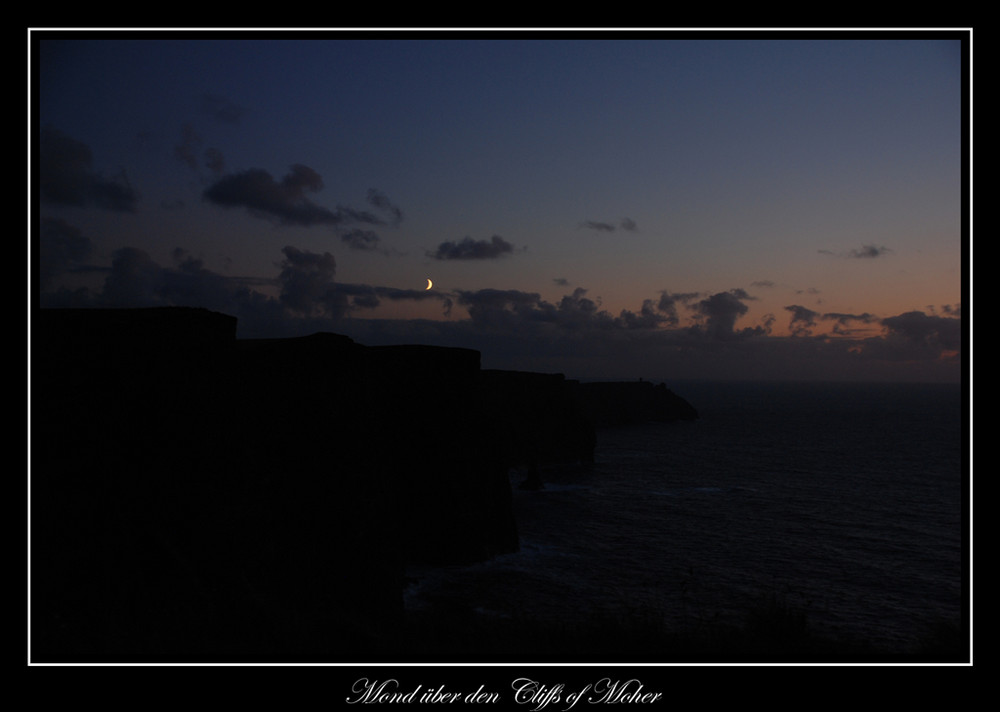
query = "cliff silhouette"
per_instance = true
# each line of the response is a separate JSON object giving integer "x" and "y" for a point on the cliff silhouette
{"x": 199, "y": 497}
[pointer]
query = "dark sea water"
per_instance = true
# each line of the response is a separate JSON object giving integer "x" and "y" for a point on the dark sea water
{"x": 841, "y": 500}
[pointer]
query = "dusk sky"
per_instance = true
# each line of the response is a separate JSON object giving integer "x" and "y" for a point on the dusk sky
{"x": 662, "y": 206}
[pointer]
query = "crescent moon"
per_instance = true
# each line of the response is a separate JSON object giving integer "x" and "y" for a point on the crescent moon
{"x": 429, "y": 284}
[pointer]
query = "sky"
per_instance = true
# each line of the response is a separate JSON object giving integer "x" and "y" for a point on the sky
{"x": 665, "y": 206}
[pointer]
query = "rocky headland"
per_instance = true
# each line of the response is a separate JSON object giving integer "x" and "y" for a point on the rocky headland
{"x": 198, "y": 497}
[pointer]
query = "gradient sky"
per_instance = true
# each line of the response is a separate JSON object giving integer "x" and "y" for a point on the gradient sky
{"x": 627, "y": 205}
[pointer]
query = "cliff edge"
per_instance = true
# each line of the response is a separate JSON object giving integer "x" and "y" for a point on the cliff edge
{"x": 198, "y": 497}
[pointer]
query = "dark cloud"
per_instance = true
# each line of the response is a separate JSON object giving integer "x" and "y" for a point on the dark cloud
{"x": 367, "y": 240}
{"x": 578, "y": 311}
{"x": 380, "y": 201}
{"x": 214, "y": 161}
{"x": 952, "y": 310}
{"x": 517, "y": 311}
{"x": 864, "y": 318}
{"x": 721, "y": 311}
{"x": 285, "y": 201}
{"x": 668, "y": 303}
{"x": 870, "y": 252}
{"x": 189, "y": 152}
{"x": 349, "y": 298}
{"x": 136, "y": 280}
{"x": 67, "y": 177}
{"x": 469, "y": 249}
{"x": 803, "y": 320}
{"x": 353, "y": 215}
{"x": 915, "y": 341}
{"x": 416, "y": 295}
{"x": 495, "y": 308}
{"x": 844, "y": 324}
{"x": 648, "y": 317}
{"x": 222, "y": 109}
{"x": 627, "y": 224}
{"x": 62, "y": 248}
{"x": 561, "y": 282}
{"x": 599, "y": 226}
{"x": 931, "y": 331}
{"x": 866, "y": 252}
{"x": 307, "y": 286}
{"x": 520, "y": 330}
{"x": 522, "y": 312}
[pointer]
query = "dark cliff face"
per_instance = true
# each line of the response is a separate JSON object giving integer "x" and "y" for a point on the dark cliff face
{"x": 537, "y": 418}
{"x": 194, "y": 496}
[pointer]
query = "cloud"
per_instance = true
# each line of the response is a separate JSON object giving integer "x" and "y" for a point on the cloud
{"x": 501, "y": 307}
{"x": 866, "y": 252}
{"x": 952, "y": 310}
{"x": 521, "y": 330}
{"x": 627, "y": 224}
{"x": 523, "y": 312}
{"x": 222, "y": 109}
{"x": 870, "y": 252}
{"x": 803, "y": 320}
{"x": 308, "y": 297}
{"x": 380, "y": 201}
{"x": 136, "y": 280}
{"x": 214, "y": 161}
{"x": 188, "y": 149}
{"x": 285, "y": 200}
{"x": 67, "y": 177}
{"x": 577, "y": 311}
{"x": 721, "y": 311}
{"x": 668, "y": 303}
{"x": 648, "y": 317}
{"x": 599, "y": 226}
{"x": 62, "y": 248}
{"x": 307, "y": 286}
{"x": 919, "y": 328}
{"x": 359, "y": 239}
{"x": 843, "y": 322}
{"x": 469, "y": 249}
{"x": 512, "y": 310}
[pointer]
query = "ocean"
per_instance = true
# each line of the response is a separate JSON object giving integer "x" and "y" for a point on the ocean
{"x": 840, "y": 502}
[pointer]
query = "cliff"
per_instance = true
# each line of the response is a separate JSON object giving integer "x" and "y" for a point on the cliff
{"x": 537, "y": 418}
{"x": 199, "y": 497}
